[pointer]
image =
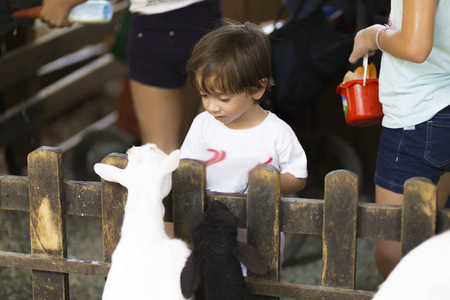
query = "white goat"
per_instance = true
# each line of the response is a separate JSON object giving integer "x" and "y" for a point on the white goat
{"x": 423, "y": 274}
{"x": 146, "y": 263}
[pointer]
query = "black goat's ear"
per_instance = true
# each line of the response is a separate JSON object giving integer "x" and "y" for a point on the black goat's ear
{"x": 248, "y": 255}
{"x": 190, "y": 277}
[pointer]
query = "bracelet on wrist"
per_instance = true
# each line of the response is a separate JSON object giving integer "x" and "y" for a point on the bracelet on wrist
{"x": 386, "y": 27}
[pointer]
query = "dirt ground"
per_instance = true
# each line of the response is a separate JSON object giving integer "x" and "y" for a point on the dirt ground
{"x": 84, "y": 233}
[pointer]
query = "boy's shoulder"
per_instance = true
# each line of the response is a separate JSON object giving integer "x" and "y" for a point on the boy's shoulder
{"x": 279, "y": 130}
{"x": 203, "y": 115}
{"x": 274, "y": 120}
{"x": 204, "y": 119}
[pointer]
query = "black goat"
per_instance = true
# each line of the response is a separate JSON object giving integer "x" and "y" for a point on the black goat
{"x": 214, "y": 261}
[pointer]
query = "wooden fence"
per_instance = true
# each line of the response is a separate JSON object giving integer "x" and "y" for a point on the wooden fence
{"x": 340, "y": 219}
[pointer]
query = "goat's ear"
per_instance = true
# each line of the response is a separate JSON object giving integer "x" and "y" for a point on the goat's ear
{"x": 250, "y": 258}
{"x": 171, "y": 162}
{"x": 109, "y": 173}
{"x": 190, "y": 276}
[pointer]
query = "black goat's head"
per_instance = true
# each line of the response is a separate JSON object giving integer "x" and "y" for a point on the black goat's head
{"x": 216, "y": 230}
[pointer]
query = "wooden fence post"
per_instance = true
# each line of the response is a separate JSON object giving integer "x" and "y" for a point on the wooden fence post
{"x": 114, "y": 197}
{"x": 263, "y": 220}
{"x": 188, "y": 191}
{"x": 339, "y": 229}
{"x": 419, "y": 212}
{"x": 47, "y": 220}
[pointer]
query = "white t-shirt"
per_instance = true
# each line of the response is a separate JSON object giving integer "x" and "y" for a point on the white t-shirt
{"x": 232, "y": 154}
{"x": 150, "y": 7}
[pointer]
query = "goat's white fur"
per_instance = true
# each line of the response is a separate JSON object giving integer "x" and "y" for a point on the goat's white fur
{"x": 424, "y": 273}
{"x": 146, "y": 263}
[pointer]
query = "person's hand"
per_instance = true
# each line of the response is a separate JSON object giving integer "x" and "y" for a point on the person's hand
{"x": 55, "y": 13}
{"x": 364, "y": 43}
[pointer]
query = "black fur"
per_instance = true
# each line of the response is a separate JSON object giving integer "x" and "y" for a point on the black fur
{"x": 214, "y": 261}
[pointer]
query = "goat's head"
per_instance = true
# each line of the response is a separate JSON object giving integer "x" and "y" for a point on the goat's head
{"x": 147, "y": 165}
{"x": 216, "y": 230}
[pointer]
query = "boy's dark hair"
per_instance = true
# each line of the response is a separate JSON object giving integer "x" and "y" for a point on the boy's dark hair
{"x": 233, "y": 58}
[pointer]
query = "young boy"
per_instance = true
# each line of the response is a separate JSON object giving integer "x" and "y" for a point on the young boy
{"x": 230, "y": 67}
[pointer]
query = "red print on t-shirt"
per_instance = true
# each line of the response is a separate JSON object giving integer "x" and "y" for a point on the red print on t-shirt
{"x": 264, "y": 163}
{"x": 218, "y": 156}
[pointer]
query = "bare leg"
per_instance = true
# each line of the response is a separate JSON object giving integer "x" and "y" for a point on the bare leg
{"x": 164, "y": 115}
{"x": 443, "y": 189}
{"x": 158, "y": 112}
{"x": 387, "y": 253}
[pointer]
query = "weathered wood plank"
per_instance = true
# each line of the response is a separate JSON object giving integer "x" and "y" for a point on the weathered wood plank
{"x": 301, "y": 291}
{"x": 114, "y": 197}
{"x": 419, "y": 212}
{"x": 339, "y": 229}
{"x": 83, "y": 198}
{"x": 56, "y": 265}
{"x": 236, "y": 203}
{"x": 302, "y": 216}
{"x": 14, "y": 193}
{"x": 47, "y": 220}
{"x": 379, "y": 221}
{"x": 188, "y": 190}
{"x": 263, "y": 220}
{"x": 25, "y": 61}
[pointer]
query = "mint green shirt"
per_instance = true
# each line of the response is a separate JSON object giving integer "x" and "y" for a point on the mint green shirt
{"x": 413, "y": 93}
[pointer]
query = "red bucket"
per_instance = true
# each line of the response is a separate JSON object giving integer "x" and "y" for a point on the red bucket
{"x": 362, "y": 107}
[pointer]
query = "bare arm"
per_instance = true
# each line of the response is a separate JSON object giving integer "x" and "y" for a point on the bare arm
{"x": 56, "y": 12}
{"x": 290, "y": 184}
{"x": 413, "y": 42}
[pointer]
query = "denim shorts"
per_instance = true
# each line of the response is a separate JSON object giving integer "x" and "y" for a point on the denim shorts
{"x": 160, "y": 45}
{"x": 423, "y": 151}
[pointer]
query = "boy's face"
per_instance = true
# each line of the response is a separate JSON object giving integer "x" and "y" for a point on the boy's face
{"x": 237, "y": 111}
{"x": 234, "y": 110}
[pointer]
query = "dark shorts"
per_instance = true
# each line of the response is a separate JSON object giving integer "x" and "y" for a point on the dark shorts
{"x": 424, "y": 152}
{"x": 160, "y": 45}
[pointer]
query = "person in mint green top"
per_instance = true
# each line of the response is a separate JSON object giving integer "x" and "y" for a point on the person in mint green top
{"x": 414, "y": 88}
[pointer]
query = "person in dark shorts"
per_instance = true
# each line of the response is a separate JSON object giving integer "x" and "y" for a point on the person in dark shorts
{"x": 414, "y": 90}
{"x": 162, "y": 35}
{"x": 160, "y": 44}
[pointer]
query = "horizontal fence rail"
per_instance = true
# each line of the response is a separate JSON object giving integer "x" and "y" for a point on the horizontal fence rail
{"x": 298, "y": 215}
